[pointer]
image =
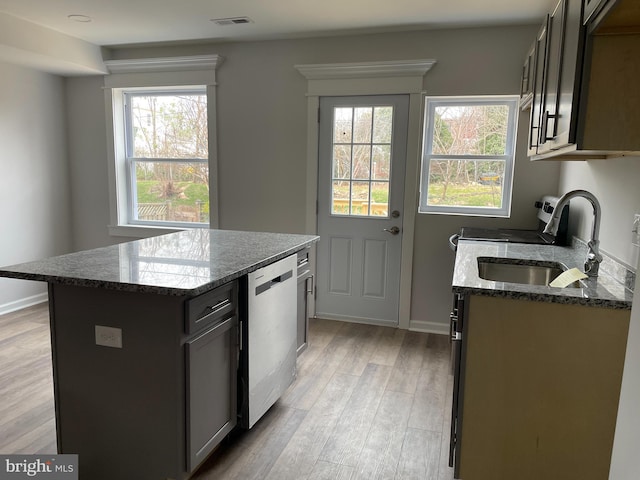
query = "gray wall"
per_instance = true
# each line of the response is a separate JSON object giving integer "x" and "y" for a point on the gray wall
{"x": 34, "y": 190}
{"x": 616, "y": 184}
{"x": 262, "y": 135}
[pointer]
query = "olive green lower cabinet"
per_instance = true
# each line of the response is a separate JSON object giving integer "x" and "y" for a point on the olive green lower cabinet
{"x": 539, "y": 389}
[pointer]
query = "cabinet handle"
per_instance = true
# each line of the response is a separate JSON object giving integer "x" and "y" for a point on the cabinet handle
{"x": 219, "y": 327}
{"x": 214, "y": 309}
{"x": 309, "y": 290}
{"x": 454, "y": 335}
{"x": 544, "y": 136}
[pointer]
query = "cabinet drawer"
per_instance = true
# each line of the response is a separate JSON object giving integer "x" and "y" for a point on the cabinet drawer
{"x": 210, "y": 307}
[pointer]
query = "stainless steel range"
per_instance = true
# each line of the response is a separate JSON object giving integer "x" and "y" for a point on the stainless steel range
{"x": 544, "y": 211}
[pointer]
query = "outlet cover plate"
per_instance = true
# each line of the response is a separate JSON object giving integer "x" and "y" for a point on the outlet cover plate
{"x": 108, "y": 336}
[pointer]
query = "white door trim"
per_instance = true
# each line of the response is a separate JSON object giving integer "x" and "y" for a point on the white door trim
{"x": 373, "y": 78}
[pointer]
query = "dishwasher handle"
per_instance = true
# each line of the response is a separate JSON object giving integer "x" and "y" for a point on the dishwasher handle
{"x": 274, "y": 281}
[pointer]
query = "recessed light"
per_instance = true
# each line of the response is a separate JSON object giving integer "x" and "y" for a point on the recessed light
{"x": 79, "y": 18}
{"x": 231, "y": 21}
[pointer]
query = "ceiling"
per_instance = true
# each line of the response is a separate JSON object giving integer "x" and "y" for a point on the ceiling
{"x": 124, "y": 22}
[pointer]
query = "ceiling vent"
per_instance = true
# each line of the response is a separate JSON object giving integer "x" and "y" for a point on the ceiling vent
{"x": 232, "y": 21}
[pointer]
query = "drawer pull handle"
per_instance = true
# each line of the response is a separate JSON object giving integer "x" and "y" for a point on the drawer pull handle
{"x": 213, "y": 309}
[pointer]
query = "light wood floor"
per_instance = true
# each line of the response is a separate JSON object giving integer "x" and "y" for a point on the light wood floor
{"x": 27, "y": 423}
{"x": 369, "y": 403}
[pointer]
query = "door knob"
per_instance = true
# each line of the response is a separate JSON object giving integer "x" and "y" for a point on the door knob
{"x": 392, "y": 230}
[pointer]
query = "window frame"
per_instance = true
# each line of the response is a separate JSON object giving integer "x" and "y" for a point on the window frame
{"x": 130, "y": 161}
{"x": 159, "y": 73}
{"x": 431, "y": 103}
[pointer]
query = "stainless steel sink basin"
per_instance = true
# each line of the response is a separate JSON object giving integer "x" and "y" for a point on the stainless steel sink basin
{"x": 526, "y": 272}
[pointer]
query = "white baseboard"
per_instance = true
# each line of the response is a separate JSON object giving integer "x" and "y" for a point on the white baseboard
{"x": 414, "y": 325}
{"x": 429, "y": 327}
{"x": 23, "y": 303}
{"x": 366, "y": 321}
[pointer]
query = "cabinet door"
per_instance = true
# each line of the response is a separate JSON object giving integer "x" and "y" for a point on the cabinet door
{"x": 541, "y": 385}
{"x": 539, "y": 66}
{"x": 526, "y": 84}
{"x": 590, "y": 9}
{"x": 553, "y": 65}
{"x": 212, "y": 363}
{"x": 562, "y": 88}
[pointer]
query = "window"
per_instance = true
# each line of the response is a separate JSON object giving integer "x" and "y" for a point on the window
{"x": 468, "y": 155}
{"x": 167, "y": 156}
{"x": 361, "y": 161}
{"x": 162, "y": 145}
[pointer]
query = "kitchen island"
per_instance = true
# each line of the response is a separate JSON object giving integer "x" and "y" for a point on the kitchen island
{"x": 145, "y": 342}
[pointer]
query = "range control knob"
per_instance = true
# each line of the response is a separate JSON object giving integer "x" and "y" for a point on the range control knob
{"x": 548, "y": 208}
{"x": 538, "y": 204}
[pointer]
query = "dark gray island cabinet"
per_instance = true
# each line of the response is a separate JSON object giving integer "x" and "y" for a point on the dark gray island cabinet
{"x": 146, "y": 340}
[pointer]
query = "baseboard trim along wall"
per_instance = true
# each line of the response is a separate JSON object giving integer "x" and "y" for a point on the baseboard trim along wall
{"x": 414, "y": 325}
{"x": 429, "y": 327}
{"x": 24, "y": 303}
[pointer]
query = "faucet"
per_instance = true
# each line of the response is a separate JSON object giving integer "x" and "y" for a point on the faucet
{"x": 594, "y": 258}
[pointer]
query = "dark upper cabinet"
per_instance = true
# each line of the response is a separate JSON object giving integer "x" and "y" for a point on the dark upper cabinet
{"x": 585, "y": 103}
{"x": 591, "y": 8}
{"x": 526, "y": 86}
{"x": 539, "y": 60}
{"x": 565, "y": 40}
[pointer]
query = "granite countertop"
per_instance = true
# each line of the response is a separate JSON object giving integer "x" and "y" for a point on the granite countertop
{"x": 602, "y": 291}
{"x": 189, "y": 262}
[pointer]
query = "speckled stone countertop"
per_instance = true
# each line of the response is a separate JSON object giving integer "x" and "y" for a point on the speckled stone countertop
{"x": 602, "y": 291}
{"x": 187, "y": 263}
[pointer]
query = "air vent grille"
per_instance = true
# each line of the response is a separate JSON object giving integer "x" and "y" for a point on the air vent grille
{"x": 232, "y": 21}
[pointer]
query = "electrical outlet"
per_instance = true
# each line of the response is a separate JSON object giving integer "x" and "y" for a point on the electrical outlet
{"x": 108, "y": 336}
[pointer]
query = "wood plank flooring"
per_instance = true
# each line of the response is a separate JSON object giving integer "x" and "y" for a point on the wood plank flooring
{"x": 369, "y": 403}
{"x": 27, "y": 423}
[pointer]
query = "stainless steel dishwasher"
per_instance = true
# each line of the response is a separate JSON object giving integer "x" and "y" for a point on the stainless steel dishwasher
{"x": 268, "y": 355}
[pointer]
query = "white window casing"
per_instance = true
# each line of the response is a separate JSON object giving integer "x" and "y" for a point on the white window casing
{"x": 155, "y": 74}
{"x": 428, "y": 155}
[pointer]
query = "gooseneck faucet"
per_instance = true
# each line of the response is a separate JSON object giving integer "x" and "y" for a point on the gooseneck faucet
{"x": 594, "y": 258}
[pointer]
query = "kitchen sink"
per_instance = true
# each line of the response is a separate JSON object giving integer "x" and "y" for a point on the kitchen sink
{"x": 528, "y": 272}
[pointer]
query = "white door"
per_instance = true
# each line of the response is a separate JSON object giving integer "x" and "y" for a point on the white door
{"x": 362, "y": 150}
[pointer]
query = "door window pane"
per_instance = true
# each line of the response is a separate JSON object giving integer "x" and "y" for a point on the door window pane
{"x": 341, "y": 161}
{"x": 361, "y": 161}
{"x": 360, "y": 198}
{"x": 340, "y": 198}
{"x": 362, "y": 124}
{"x": 380, "y": 199}
{"x": 342, "y": 125}
{"x": 382, "y": 123}
{"x": 361, "y": 166}
{"x": 381, "y": 162}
